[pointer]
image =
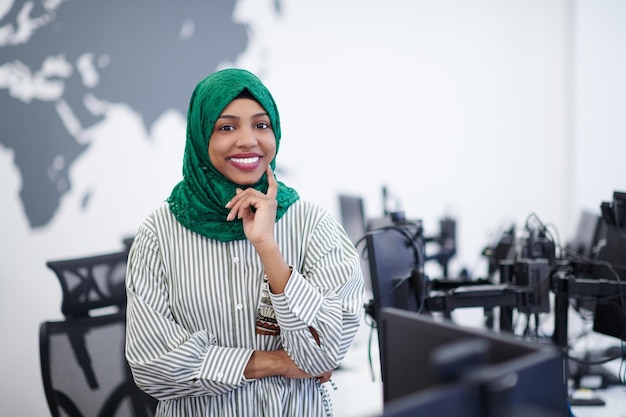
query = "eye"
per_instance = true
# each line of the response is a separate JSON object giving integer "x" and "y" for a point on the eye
{"x": 226, "y": 128}
{"x": 262, "y": 125}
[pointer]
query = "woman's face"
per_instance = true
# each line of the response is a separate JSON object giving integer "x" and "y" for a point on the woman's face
{"x": 242, "y": 143}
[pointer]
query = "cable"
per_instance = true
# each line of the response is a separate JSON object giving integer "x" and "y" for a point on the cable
{"x": 369, "y": 352}
{"x": 622, "y": 366}
{"x": 413, "y": 240}
{"x": 610, "y": 266}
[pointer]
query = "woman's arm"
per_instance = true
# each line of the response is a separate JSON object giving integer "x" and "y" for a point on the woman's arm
{"x": 168, "y": 361}
{"x": 263, "y": 364}
{"x": 320, "y": 310}
{"x": 317, "y": 307}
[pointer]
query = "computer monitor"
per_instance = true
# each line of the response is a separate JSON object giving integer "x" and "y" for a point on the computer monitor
{"x": 352, "y": 210}
{"x": 353, "y": 216}
{"x": 426, "y": 361}
{"x": 501, "y": 249}
{"x": 393, "y": 263}
{"x": 610, "y": 311}
{"x": 583, "y": 247}
{"x": 453, "y": 400}
{"x": 587, "y": 234}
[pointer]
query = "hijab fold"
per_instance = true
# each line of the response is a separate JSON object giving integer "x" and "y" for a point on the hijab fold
{"x": 198, "y": 200}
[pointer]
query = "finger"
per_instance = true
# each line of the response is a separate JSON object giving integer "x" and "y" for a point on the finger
{"x": 234, "y": 199}
{"x": 272, "y": 189}
{"x": 248, "y": 202}
{"x": 236, "y": 204}
{"x": 325, "y": 377}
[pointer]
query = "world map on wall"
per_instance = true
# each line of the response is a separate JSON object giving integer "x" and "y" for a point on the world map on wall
{"x": 60, "y": 59}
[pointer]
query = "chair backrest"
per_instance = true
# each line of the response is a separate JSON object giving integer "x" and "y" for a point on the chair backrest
{"x": 84, "y": 370}
{"x": 91, "y": 282}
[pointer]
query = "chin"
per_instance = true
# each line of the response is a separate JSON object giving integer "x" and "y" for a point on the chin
{"x": 245, "y": 180}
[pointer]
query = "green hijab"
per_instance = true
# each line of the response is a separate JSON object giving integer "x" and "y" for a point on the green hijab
{"x": 198, "y": 200}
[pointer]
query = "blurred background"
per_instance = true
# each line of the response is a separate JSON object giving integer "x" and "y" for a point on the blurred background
{"x": 486, "y": 111}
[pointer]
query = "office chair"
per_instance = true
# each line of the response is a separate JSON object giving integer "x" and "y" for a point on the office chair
{"x": 83, "y": 366}
{"x": 91, "y": 283}
{"x": 84, "y": 371}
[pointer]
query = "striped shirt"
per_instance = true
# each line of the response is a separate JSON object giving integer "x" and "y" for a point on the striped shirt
{"x": 193, "y": 304}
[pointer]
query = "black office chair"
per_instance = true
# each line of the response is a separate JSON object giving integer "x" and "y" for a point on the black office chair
{"x": 83, "y": 367}
{"x": 91, "y": 283}
{"x": 84, "y": 371}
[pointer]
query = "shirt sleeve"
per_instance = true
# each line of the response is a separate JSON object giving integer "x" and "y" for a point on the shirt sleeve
{"x": 166, "y": 360}
{"x": 325, "y": 293}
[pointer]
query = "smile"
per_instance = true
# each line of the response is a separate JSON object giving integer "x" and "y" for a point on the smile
{"x": 245, "y": 161}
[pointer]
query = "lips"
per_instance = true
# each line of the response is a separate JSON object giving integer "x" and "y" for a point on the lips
{"x": 245, "y": 162}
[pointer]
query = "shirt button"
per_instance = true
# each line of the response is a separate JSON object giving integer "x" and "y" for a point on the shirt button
{"x": 220, "y": 374}
{"x": 236, "y": 259}
{"x": 239, "y": 306}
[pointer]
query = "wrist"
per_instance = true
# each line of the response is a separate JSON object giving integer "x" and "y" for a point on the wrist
{"x": 265, "y": 363}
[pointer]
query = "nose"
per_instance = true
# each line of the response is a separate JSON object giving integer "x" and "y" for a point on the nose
{"x": 247, "y": 137}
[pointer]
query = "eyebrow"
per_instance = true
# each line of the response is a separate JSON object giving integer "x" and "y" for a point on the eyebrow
{"x": 229, "y": 116}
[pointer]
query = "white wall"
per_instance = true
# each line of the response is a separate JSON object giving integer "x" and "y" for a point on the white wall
{"x": 599, "y": 101}
{"x": 458, "y": 107}
{"x": 469, "y": 108}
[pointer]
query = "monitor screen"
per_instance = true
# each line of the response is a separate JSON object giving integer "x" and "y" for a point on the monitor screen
{"x": 392, "y": 260}
{"x": 583, "y": 247}
{"x": 610, "y": 264}
{"x": 610, "y": 311}
{"x": 423, "y": 356}
{"x": 586, "y": 236}
{"x": 453, "y": 400}
{"x": 353, "y": 221}
{"x": 352, "y": 216}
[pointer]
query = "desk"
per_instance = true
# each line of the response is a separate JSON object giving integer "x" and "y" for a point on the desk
{"x": 615, "y": 399}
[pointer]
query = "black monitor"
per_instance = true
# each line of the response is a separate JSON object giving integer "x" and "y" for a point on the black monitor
{"x": 610, "y": 311}
{"x": 582, "y": 249}
{"x": 501, "y": 249}
{"x": 352, "y": 210}
{"x": 446, "y": 401}
{"x": 435, "y": 365}
{"x": 587, "y": 235}
{"x": 393, "y": 263}
{"x": 353, "y": 216}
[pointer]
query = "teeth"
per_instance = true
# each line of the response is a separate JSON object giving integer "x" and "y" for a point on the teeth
{"x": 251, "y": 160}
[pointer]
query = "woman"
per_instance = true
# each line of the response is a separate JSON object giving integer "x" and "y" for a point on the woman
{"x": 242, "y": 298}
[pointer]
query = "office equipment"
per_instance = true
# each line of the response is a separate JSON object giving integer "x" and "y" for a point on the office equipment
{"x": 395, "y": 256}
{"x": 83, "y": 366}
{"x": 588, "y": 234}
{"x": 445, "y": 243}
{"x": 90, "y": 283}
{"x": 396, "y": 259}
{"x": 456, "y": 371}
{"x": 84, "y": 372}
{"x": 353, "y": 217}
{"x": 352, "y": 209}
{"x": 610, "y": 312}
{"x": 603, "y": 282}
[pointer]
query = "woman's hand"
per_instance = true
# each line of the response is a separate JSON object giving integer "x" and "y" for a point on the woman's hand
{"x": 256, "y": 210}
{"x": 277, "y": 362}
{"x": 292, "y": 371}
{"x": 258, "y": 214}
